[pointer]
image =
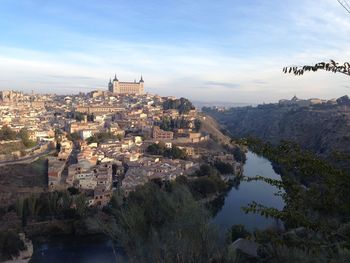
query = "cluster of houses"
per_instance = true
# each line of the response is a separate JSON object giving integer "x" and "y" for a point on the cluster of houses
{"x": 149, "y": 168}
{"x": 18, "y": 111}
{"x": 131, "y": 122}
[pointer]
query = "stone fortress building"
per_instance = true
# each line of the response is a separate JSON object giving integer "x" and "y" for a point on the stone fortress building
{"x": 119, "y": 87}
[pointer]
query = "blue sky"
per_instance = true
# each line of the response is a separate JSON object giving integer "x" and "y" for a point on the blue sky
{"x": 205, "y": 50}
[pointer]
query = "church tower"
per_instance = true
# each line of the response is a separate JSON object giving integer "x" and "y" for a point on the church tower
{"x": 110, "y": 86}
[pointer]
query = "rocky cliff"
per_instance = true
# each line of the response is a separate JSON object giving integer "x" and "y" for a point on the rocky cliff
{"x": 323, "y": 129}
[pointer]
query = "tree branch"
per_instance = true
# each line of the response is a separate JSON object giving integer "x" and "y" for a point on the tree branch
{"x": 332, "y": 66}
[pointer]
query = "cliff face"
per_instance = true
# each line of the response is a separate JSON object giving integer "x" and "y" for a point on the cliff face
{"x": 324, "y": 130}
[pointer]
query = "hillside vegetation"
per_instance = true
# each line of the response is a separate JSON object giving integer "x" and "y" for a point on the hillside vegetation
{"x": 323, "y": 130}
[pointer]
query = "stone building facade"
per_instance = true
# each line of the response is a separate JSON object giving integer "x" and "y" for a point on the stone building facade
{"x": 119, "y": 87}
{"x": 160, "y": 134}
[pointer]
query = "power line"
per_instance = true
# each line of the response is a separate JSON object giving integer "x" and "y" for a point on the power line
{"x": 345, "y": 4}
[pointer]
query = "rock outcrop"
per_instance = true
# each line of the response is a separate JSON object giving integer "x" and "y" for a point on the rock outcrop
{"x": 323, "y": 129}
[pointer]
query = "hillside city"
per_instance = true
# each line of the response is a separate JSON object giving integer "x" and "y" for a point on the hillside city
{"x": 107, "y": 139}
{"x": 103, "y": 165}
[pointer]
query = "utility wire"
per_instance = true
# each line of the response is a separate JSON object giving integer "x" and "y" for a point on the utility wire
{"x": 345, "y": 4}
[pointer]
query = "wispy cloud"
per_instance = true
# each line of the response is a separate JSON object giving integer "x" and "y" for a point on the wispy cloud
{"x": 222, "y": 84}
{"x": 228, "y": 51}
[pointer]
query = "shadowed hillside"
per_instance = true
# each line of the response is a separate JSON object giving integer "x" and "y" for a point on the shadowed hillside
{"x": 323, "y": 129}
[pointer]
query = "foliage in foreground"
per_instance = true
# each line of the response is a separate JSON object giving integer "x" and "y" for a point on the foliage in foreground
{"x": 162, "y": 224}
{"x": 316, "y": 197}
{"x": 10, "y": 245}
{"x": 51, "y": 205}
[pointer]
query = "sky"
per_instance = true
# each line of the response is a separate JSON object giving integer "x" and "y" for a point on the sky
{"x": 223, "y": 50}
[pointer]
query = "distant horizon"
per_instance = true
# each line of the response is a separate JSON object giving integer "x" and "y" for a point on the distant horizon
{"x": 196, "y": 102}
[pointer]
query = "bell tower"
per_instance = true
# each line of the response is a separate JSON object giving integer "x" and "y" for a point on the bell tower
{"x": 110, "y": 86}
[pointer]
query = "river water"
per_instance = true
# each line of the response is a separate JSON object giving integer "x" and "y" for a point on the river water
{"x": 74, "y": 249}
{"x": 86, "y": 250}
{"x": 247, "y": 192}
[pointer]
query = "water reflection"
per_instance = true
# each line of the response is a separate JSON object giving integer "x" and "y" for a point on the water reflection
{"x": 244, "y": 193}
{"x": 71, "y": 248}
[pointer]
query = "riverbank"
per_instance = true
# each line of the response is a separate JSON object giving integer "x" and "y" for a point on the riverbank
{"x": 230, "y": 214}
{"x": 52, "y": 215}
{"x": 239, "y": 194}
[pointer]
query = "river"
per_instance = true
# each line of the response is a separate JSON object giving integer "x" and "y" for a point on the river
{"x": 80, "y": 249}
{"x": 67, "y": 249}
{"x": 260, "y": 192}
